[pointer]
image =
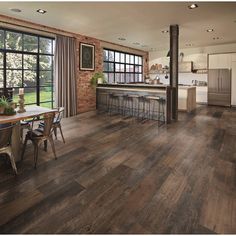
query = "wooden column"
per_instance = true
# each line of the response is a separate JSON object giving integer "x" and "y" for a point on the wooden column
{"x": 174, "y": 70}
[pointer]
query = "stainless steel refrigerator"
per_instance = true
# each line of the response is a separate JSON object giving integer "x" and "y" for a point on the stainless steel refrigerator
{"x": 219, "y": 87}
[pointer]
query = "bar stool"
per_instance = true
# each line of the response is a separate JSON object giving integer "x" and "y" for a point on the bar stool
{"x": 114, "y": 103}
{"x": 156, "y": 101}
{"x": 131, "y": 104}
{"x": 103, "y": 100}
{"x": 141, "y": 107}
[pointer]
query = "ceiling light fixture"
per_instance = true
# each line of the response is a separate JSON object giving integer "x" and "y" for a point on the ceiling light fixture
{"x": 216, "y": 38}
{"x": 210, "y": 30}
{"x": 189, "y": 44}
{"x": 165, "y": 31}
{"x": 193, "y": 6}
{"x": 15, "y": 10}
{"x": 136, "y": 43}
{"x": 121, "y": 39}
{"x": 41, "y": 11}
{"x": 144, "y": 46}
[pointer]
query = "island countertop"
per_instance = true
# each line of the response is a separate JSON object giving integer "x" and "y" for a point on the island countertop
{"x": 141, "y": 85}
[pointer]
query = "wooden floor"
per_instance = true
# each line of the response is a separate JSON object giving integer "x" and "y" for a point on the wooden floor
{"x": 117, "y": 175}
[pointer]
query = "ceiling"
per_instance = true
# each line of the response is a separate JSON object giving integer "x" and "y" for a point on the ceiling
{"x": 137, "y": 22}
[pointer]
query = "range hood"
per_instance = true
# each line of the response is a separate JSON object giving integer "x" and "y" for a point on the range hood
{"x": 186, "y": 67}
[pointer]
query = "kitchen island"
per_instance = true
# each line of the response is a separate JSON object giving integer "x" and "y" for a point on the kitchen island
{"x": 187, "y": 98}
{"x": 186, "y": 95}
{"x": 139, "y": 90}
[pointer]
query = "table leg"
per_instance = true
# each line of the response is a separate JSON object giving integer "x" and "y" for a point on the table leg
{"x": 16, "y": 142}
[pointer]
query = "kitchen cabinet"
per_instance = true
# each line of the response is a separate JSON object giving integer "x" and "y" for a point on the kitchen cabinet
{"x": 219, "y": 87}
{"x": 233, "y": 84}
{"x": 220, "y": 61}
{"x": 233, "y": 57}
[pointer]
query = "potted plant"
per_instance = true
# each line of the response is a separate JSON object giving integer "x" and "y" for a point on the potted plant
{"x": 3, "y": 104}
{"x": 98, "y": 78}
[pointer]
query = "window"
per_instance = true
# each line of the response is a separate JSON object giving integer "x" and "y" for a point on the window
{"x": 26, "y": 61}
{"x": 120, "y": 67}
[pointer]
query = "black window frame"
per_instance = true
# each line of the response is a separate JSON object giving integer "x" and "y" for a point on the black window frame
{"x": 37, "y": 86}
{"x": 113, "y": 72}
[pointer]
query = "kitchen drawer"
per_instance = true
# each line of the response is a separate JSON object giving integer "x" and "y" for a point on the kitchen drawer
{"x": 219, "y": 99}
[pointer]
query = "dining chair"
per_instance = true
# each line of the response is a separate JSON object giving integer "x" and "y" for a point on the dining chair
{"x": 56, "y": 122}
{"x": 40, "y": 135}
{"x": 5, "y": 144}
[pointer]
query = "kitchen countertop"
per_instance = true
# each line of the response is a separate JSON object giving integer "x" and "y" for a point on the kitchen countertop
{"x": 134, "y": 85}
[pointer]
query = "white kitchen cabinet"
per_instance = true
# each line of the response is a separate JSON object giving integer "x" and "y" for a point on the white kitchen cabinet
{"x": 233, "y": 56}
{"x": 220, "y": 61}
{"x": 233, "y": 84}
{"x": 201, "y": 94}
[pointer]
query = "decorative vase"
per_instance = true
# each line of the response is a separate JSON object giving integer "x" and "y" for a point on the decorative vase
{"x": 100, "y": 81}
{"x": 21, "y": 104}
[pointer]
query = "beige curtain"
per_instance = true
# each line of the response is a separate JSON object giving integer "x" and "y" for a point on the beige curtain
{"x": 65, "y": 74}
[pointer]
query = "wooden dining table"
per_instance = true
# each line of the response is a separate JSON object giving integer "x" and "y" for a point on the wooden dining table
{"x": 31, "y": 111}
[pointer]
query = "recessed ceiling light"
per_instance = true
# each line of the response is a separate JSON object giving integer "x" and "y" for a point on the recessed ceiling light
{"x": 165, "y": 31}
{"x": 193, "y": 6}
{"x": 136, "y": 43}
{"x": 189, "y": 44}
{"x": 41, "y": 11}
{"x": 15, "y": 10}
{"x": 121, "y": 39}
{"x": 210, "y": 30}
{"x": 216, "y": 38}
{"x": 144, "y": 46}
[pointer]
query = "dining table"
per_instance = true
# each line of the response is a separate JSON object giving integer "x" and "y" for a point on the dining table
{"x": 30, "y": 112}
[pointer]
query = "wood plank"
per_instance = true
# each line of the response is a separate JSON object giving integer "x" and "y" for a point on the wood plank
{"x": 118, "y": 175}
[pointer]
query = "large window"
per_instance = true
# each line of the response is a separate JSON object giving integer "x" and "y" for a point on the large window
{"x": 26, "y": 61}
{"x": 120, "y": 67}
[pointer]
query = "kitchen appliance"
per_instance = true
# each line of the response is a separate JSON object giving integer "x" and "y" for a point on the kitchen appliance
{"x": 219, "y": 87}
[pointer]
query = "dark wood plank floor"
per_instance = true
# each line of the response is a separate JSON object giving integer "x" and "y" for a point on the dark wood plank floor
{"x": 117, "y": 175}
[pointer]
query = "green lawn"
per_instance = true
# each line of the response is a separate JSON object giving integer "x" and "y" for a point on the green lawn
{"x": 31, "y": 98}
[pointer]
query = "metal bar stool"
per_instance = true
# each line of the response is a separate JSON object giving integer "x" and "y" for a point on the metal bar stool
{"x": 130, "y": 104}
{"x": 141, "y": 107}
{"x": 156, "y": 102}
{"x": 103, "y": 100}
{"x": 115, "y": 103}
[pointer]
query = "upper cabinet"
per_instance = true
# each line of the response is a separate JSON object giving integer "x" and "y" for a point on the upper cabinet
{"x": 233, "y": 56}
{"x": 220, "y": 61}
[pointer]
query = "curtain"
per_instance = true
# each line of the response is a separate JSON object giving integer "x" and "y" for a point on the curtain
{"x": 65, "y": 74}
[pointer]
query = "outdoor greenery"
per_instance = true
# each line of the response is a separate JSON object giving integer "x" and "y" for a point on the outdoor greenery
{"x": 24, "y": 65}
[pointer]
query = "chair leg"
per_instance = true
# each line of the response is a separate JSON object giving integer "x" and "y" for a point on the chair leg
{"x": 35, "y": 155}
{"x": 55, "y": 131}
{"x": 61, "y": 133}
{"x": 12, "y": 160}
{"x": 53, "y": 147}
{"x": 45, "y": 145}
{"x": 24, "y": 147}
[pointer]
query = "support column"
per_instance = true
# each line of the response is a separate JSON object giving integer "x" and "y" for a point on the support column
{"x": 174, "y": 69}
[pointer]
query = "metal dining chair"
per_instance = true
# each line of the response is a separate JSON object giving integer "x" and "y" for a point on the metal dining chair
{"x": 41, "y": 135}
{"x": 56, "y": 122}
{"x": 5, "y": 144}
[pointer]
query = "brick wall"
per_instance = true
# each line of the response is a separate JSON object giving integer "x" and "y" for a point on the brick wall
{"x": 86, "y": 94}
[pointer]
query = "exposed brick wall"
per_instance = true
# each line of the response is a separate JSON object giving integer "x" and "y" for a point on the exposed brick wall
{"x": 86, "y": 94}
